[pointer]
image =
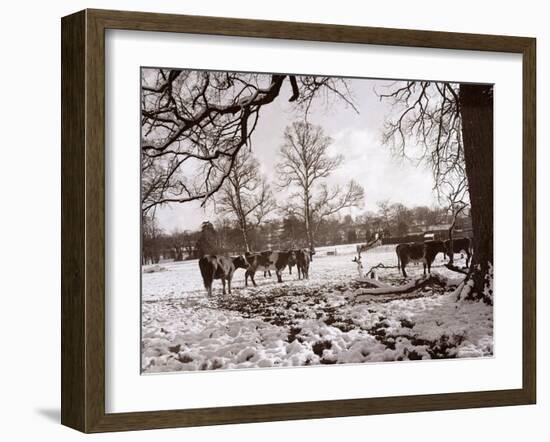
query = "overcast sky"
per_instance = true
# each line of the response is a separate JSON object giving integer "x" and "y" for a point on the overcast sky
{"x": 357, "y": 136}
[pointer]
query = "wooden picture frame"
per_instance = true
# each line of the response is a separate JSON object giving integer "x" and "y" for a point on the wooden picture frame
{"x": 83, "y": 220}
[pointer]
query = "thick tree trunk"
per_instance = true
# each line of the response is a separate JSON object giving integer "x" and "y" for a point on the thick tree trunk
{"x": 476, "y": 109}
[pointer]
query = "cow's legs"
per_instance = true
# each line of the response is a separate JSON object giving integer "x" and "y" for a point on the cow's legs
{"x": 279, "y": 276}
{"x": 209, "y": 289}
{"x": 229, "y": 283}
{"x": 223, "y": 286}
{"x": 429, "y": 265}
{"x": 403, "y": 265}
{"x": 251, "y": 274}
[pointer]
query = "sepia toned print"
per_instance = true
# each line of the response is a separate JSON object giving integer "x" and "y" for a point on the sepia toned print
{"x": 299, "y": 220}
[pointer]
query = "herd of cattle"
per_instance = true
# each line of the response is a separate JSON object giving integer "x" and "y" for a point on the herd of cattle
{"x": 222, "y": 267}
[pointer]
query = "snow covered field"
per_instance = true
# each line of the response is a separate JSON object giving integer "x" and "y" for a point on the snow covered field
{"x": 323, "y": 320}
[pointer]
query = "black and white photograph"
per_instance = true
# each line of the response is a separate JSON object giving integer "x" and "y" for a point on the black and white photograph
{"x": 292, "y": 220}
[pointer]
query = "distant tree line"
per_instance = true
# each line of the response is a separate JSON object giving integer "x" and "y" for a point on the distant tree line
{"x": 225, "y": 236}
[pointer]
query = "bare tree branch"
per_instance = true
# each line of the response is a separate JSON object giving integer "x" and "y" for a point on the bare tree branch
{"x": 194, "y": 124}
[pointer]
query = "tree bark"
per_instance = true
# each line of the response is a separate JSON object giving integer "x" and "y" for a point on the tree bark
{"x": 307, "y": 219}
{"x": 476, "y": 109}
{"x": 244, "y": 231}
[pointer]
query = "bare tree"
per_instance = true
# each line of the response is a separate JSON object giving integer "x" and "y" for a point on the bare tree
{"x": 384, "y": 209}
{"x": 402, "y": 218}
{"x": 245, "y": 195}
{"x": 194, "y": 124}
{"x": 451, "y": 126}
{"x": 151, "y": 232}
{"x": 305, "y": 163}
{"x": 177, "y": 244}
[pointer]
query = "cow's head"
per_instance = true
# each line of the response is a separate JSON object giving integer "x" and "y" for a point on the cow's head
{"x": 240, "y": 262}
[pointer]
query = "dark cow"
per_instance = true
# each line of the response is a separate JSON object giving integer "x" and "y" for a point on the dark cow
{"x": 310, "y": 252}
{"x": 220, "y": 267}
{"x": 459, "y": 245}
{"x": 303, "y": 259}
{"x": 424, "y": 252}
{"x": 266, "y": 261}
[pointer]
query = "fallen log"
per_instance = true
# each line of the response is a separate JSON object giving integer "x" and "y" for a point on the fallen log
{"x": 415, "y": 284}
{"x": 374, "y": 283}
